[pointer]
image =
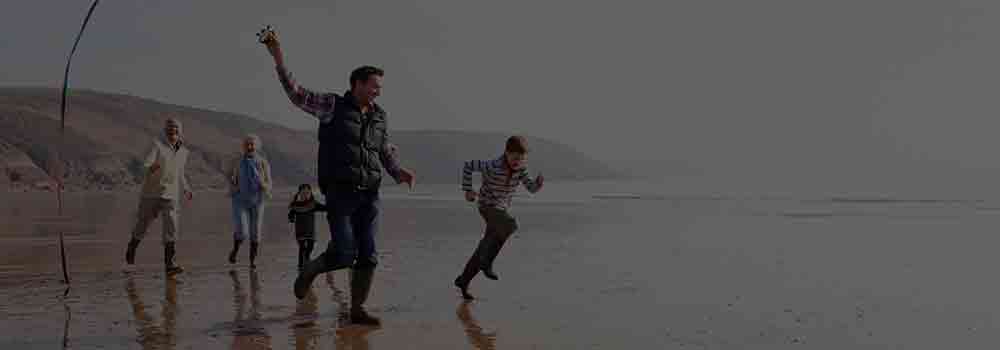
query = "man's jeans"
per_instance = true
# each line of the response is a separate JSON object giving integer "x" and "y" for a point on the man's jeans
{"x": 353, "y": 219}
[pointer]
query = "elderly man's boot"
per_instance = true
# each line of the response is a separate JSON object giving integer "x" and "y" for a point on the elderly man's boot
{"x": 169, "y": 252}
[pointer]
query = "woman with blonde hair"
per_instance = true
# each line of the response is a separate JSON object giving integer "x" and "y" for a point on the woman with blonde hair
{"x": 250, "y": 185}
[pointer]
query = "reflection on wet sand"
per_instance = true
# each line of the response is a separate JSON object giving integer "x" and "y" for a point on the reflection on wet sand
{"x": 152, "y": 335}
{"x": 353, "y": 337}
{"x": 477, "y": 338}
{"x": 347, "y": 336}
{"x": 65, "y": 342}
{"x": 305, "y": 334}
{"x": 248, "y": 332}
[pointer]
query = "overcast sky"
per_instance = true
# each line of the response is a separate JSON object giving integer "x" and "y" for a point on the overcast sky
{"x": 843, "y": 89}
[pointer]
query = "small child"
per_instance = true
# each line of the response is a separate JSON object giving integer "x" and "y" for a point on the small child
{"x": 301, "y": 213}
{"x": 500, "y": 178}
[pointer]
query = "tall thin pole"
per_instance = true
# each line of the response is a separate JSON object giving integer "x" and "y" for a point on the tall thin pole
{"x": 62, "y": 141}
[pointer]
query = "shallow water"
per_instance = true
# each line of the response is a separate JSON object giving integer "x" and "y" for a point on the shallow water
{"x": 592, "y": 267}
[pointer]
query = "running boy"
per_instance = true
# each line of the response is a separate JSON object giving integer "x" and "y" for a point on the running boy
{"x": 500, "y": 178}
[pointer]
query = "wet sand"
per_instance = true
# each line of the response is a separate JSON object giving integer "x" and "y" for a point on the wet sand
{"x": 617, "y": 272}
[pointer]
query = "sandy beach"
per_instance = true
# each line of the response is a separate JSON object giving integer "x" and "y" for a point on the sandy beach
{"x": 605, "y": 271}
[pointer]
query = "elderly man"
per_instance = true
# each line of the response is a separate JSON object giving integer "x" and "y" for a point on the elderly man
{"x": 163, "y": 184}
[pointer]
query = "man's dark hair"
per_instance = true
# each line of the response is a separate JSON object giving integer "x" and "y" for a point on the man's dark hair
{"x": 361, "y": 74}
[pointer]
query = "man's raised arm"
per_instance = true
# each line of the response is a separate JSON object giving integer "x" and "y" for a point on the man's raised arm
{"x": 318, "y": 104}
